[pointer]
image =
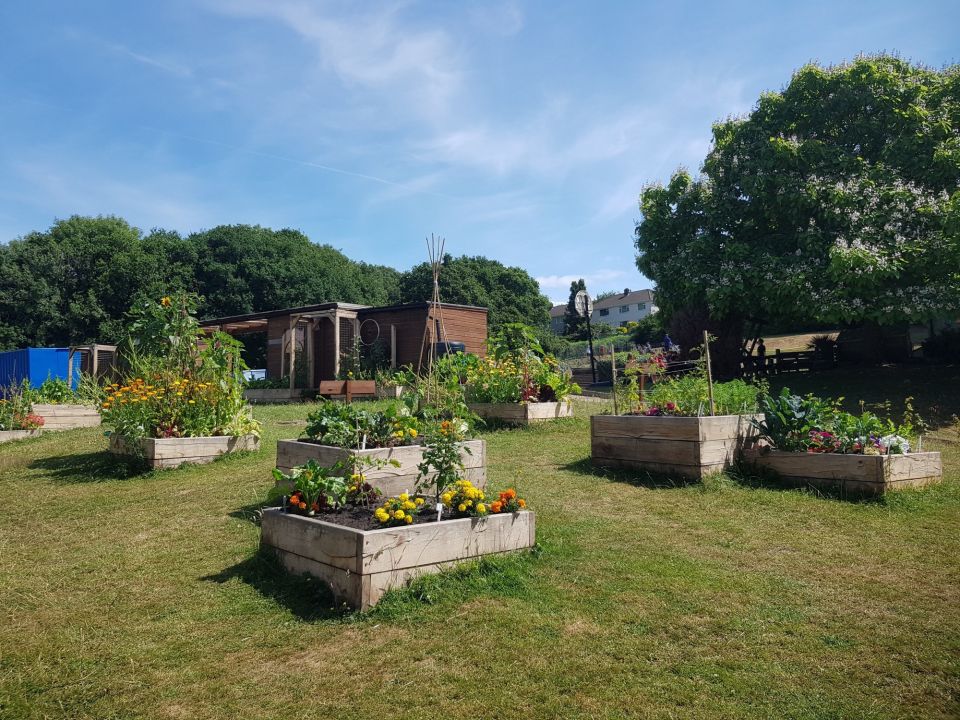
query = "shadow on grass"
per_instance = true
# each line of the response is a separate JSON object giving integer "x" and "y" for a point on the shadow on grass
{"x": 754, "y": 477}
{"x": 638, "y": 478}
{"x": 253, "y": 512}
{"x": 90, "y": 467}
{"x": 304, "y": 596}
{"x": 310, "y": 599}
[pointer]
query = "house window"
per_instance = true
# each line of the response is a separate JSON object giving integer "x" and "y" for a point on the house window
{"x": 604, "y": 312}
{"x": 624, "y": 308}
{"x": 641, "y": 306}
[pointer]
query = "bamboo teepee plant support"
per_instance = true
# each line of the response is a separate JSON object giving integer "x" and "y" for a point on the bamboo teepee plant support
{"x": 434, "y": 332}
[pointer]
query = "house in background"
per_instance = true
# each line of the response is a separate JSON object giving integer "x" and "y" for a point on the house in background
{"x": 616, "y": 310}
{"x": 628, "y": 306}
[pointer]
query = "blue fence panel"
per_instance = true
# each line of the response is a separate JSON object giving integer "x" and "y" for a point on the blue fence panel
{"x": 36, "y": 365}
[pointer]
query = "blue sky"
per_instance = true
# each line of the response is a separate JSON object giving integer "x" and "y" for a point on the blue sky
{"x": 522, "y": 131}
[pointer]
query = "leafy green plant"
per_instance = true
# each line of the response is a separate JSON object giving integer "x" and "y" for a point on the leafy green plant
{"x": 690, "y": 395}
{"x": 316, "y": 487}
{"x": 16, "y": 410}
{"x": 350, "y": 426}
{"x": 442, "y": 465}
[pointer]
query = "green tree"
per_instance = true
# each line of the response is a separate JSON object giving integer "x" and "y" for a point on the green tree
{"x": 509, "y": 293}
{"x": 248, "y": 268}
{"x": 834, "y": 200}
{"x": 574, "y": 325}
{"x": 75, "y": 282}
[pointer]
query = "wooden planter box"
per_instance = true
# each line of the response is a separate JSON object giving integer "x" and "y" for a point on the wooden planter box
{"x": 390, "y": 392}
{"x": 688, "y": 446}
{"x": 361, "y": 565}
{"x": 174, "y": 452}
{"x": 850, "y": 474}
{"x": 11, "y": 435}
{"x": 67, "y": 417}
{"x": 270, "y": 395}
{"x": 391, "y": 480}
{"x": 522, "y": 413}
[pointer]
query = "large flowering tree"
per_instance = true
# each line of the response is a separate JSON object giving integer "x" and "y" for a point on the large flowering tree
{"x": 834, "y": 200}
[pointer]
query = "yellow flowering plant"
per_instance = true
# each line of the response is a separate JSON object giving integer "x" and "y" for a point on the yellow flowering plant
{"x": 177, "y": 382}
{"x": 463, "y": 499}
{"x": 399, "y": 510}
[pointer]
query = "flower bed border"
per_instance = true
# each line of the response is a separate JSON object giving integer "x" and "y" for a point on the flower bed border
{"x": 391, "y": 480}
{"x": 851, "y": 474}
{"x": 174, "y": 452}
{"x": 361, "y": 565}
{"x": 522, "y": 413}
{"x": 13, "y": 435}
{"x": 271, "y": 395}
{"x": 67, "y": 416}
{"x": 688, "y": 446}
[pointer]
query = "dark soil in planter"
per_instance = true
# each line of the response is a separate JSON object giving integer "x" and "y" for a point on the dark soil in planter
{"x": 368, "y": 447}
{"x": 361, "y": 518}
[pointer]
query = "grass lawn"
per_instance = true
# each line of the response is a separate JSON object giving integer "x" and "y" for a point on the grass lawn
{"x": 144, "y": 596}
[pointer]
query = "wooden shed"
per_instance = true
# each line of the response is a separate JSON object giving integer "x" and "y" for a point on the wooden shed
{"x": 324, "y": 334}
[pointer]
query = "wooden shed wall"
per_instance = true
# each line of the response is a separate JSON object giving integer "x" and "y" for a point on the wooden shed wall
{"x": 466, "y": 325}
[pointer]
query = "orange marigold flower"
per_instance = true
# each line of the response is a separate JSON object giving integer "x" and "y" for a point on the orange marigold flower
{"x": 303, "y": 506}
{"x": 522, "y": 503}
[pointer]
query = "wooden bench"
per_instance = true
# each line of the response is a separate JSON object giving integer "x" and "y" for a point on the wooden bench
{"x": 348, "y": 388}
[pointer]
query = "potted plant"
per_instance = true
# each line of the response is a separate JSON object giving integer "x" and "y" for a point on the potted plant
{"x": 671, "y": 429}
{"x": 337, "y": 526}
{"x": 181, "y": 398}
{"x": 346, "y": 433}
{"x": 810, "y": 441}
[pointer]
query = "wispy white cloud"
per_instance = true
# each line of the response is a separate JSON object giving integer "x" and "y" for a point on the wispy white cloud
{"x": 557, "y": 287}
{"x": 371, "y": 48}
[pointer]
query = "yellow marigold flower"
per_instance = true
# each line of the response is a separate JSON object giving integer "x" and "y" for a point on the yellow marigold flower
{"x": 403, "y": 496}
{"x": 413, "y": 432}
{"x": 399, "y": 514}
{"x": 419, "y": 502}
{"x": 461, "y": 507}
{"x": 409, "y": 519}
{"x": 407, "y": 505}
{"x": 446, "y": 498}
{"x": 481, "y": 508}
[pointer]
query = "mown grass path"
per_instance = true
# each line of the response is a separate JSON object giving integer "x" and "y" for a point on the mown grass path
{"x": 143, "y": 596}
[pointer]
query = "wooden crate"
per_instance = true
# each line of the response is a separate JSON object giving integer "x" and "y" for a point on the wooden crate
{"x": 174, "y": 452}
{"x": 522, "y": 413}
{"x": 270, "y": 395}
{"x": 11, "y": 435}
{"x": 67, "y": 416}
{"x": 688, "y": 446}
{"x": 850, "y": 474}
{"x": 391, "y": 480}
{"x": 361, "y": 565}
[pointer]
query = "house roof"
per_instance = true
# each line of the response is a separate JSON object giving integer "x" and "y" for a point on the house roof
{"x": 625, "y": 298}
{"x": 558, "y": 310}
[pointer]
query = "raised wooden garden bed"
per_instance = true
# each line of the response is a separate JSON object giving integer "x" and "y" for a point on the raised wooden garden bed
{"x": 850, "y": 474}
{"x": 67, "y": 417}
{"x": 522, "y": 413}
{"x": 271, "y": 395}
{"x": 361, "y": 565}
{"x": 390, "y": 392}
{"x": 391, "y": 480}
{"x": 688, "y": 446}
{"x": 11, "y": 435}
{"x": 347, "y": 389}
{"x": 174, "y": 452}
